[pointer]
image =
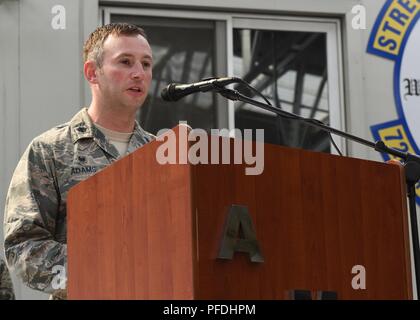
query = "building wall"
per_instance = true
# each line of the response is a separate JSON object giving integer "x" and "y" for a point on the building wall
{"x": 41, "y": 79}
{"x": 41, "y": 82}
{"x": 377, "y": 79}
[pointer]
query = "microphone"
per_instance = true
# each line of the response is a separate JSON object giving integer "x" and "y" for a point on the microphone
{"x": 176, "y": 91}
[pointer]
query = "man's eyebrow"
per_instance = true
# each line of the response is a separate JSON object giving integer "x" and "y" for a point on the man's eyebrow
{"x": 129, "y": 55}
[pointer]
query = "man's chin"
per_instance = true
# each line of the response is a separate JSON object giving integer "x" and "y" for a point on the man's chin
{"x": 134, "y": 106}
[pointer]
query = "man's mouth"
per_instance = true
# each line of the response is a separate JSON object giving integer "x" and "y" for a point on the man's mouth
{"x": 135, "y": 89}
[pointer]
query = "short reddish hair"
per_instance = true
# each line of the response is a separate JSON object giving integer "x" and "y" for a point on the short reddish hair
{"x": 94, "y": 45}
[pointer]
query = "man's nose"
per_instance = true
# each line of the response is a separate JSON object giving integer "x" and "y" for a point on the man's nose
{"x": 138, "y": 71}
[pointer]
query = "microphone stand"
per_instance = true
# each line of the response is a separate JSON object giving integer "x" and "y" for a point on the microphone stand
{"x": 411, "y": 163}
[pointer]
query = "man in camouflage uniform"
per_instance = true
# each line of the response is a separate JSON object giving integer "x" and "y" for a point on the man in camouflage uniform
{"x": 118, "y": 67}
{"x": 6, "y": 285}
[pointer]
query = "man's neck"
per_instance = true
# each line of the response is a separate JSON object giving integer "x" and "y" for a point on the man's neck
{"x": 112, "y": 119}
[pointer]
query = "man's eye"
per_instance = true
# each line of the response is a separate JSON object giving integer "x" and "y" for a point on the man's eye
{"x": 147, "y": 64}
{"x": 126, "y": 62}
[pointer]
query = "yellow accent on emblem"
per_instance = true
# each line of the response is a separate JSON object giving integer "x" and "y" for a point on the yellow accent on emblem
{"x": 396, "y": 137}
{"x": 394, "y": 25}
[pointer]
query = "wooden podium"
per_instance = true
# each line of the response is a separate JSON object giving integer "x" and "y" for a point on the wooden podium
{"x": 142, "y": 230}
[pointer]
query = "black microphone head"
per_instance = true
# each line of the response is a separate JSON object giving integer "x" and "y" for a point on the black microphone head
{"x": 176, "y": 91}
{"x": 164, "y": 94}
{"x": 167, "y": 93}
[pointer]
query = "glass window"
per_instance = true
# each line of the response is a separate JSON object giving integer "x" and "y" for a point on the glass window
{"x": 294, "y": 62}
{"x": 290, "y": 69}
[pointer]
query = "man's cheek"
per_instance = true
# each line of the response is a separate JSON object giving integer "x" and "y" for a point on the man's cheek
{"x": 118, "y": 76}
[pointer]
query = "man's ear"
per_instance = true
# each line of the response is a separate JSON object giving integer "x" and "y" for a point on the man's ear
{"x": 90, "y": 70}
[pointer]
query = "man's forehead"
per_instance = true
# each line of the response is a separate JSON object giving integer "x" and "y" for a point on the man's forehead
{"x": 127, "y": 45}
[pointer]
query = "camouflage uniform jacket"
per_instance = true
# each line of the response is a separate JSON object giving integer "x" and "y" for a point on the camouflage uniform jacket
{"x": 35, "y": 215}
{"x": 6, "y": 286}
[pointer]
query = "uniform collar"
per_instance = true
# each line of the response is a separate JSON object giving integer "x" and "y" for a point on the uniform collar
{"x": 139, "y": 138}
{"x": 82, "y": 127}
